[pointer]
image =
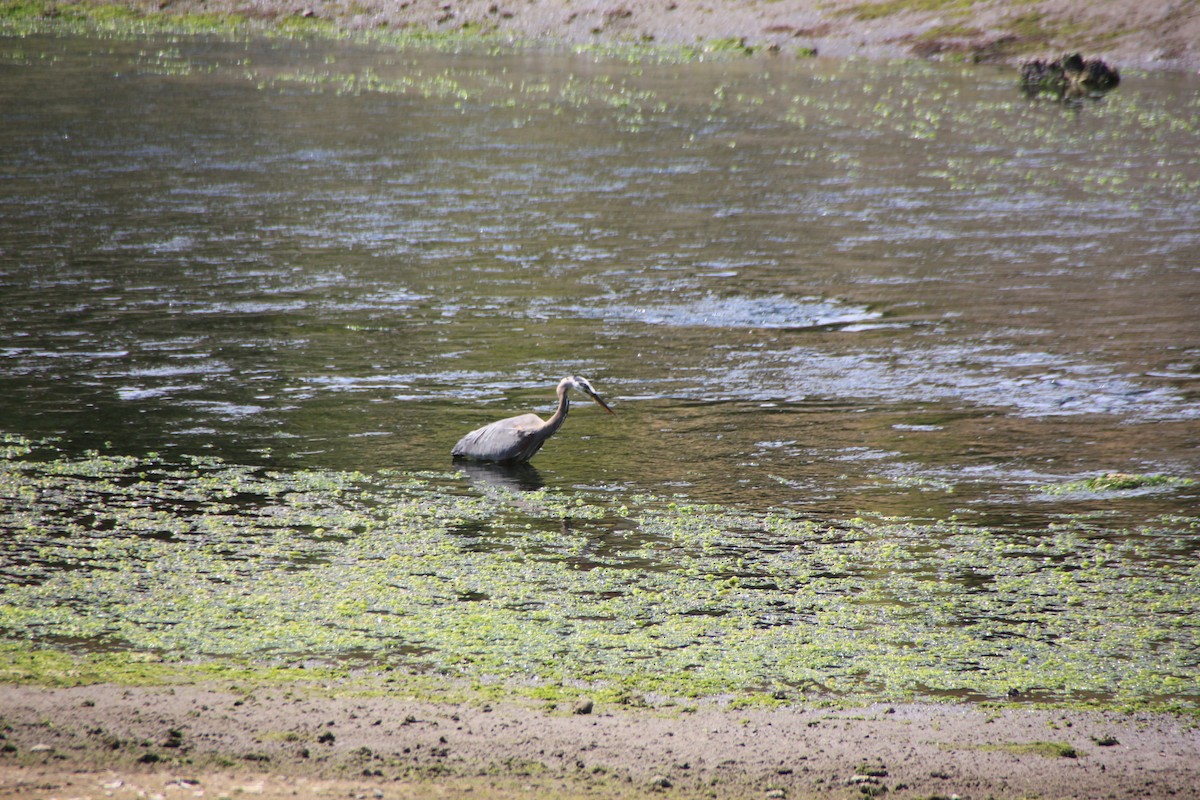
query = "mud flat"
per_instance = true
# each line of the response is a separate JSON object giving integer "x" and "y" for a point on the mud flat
{"x": 205, "y": 741}
{"x": 1157, "y": 34}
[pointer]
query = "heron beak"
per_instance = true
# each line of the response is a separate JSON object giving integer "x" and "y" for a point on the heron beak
{"x": 601, "y": 403}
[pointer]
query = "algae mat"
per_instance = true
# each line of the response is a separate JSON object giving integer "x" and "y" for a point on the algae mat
{"x": 544, "y": 592}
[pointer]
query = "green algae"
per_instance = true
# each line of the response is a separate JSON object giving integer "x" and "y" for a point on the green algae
{"x": 1044, "y": 749}
{"x": 1039, "y": 748}
{"x": 1116, "y": 482}
{"x": 888, "y": 8}
{"x": 43, "y": 666}
{"x": 200, "y": 563}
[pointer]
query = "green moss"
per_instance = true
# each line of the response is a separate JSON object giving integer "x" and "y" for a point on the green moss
{"x": 21, "y": 10}
{"x": 1042, "y": 749}
{"x": 102, "y": 13}
{"x": 39, "y": 15}
{"x": 306, "y": 26}
{"x": 888, "y": 8}
{"x": 1031, "y": 26}
{"x": 730, "y": 44}
{"x": 958, "y": 30}
{"x": 31, "y": 664}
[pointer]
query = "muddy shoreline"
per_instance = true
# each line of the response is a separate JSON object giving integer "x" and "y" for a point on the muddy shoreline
{"x": 206, "y": 741}
{"x": 1152, "y": 35}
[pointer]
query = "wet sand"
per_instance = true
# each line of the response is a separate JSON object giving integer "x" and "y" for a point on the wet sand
{"x": 195, "y": 741}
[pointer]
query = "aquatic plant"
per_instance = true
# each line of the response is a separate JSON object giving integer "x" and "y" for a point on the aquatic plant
{"x": 202, "y": 562}
{"x": 1117, "y": 482}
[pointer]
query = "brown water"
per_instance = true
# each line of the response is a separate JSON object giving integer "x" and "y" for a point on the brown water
{"x": 845, "y": 287}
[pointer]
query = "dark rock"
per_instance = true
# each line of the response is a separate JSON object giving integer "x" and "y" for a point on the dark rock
{"x": 1069, "y": 77}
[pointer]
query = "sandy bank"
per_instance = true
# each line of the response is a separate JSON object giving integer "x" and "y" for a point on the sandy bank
{"x": 188, "y": 741}
{"x": 1156, "y": 34}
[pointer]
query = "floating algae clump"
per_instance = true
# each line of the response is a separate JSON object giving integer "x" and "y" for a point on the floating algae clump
{"x": 1118, "y": 482}
{"x": 199, "y": 561}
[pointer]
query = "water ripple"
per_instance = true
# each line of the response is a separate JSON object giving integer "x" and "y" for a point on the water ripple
{"x": 711, "y": 311}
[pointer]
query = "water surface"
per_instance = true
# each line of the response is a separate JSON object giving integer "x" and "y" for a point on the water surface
{"x": 844, "y": 287}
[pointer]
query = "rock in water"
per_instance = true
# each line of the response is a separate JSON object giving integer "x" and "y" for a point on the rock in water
{"x": 1070, "y": 77}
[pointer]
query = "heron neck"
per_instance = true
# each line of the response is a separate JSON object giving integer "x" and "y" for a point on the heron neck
{"x": 560, "y": 413}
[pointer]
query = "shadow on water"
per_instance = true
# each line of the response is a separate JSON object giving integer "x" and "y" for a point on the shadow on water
{"x": 506, "y": 477}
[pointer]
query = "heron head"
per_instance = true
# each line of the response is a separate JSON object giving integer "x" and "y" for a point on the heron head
{"x": 585, "y": 387}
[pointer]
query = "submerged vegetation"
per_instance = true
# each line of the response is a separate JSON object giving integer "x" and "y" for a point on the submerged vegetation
{"x": 209, "y": 565}
{"x": 1111, "y": 482}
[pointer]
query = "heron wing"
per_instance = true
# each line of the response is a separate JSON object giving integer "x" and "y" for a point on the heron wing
{"x": 512, "y": 439}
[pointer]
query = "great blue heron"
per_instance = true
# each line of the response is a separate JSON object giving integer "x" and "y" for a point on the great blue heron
{"x": 517, "y": 439}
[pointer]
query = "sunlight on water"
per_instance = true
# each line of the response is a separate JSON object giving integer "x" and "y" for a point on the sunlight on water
{"x": 734, "y": 312}
{"x": 364, "y": 255}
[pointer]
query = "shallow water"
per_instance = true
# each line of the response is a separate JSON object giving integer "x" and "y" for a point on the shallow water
{"x": 845, "y": 287}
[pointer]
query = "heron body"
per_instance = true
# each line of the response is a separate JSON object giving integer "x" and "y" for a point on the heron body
{"x": 517, "y": 439}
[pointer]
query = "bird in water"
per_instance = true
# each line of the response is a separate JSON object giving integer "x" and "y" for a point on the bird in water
{"x": 515, "y": 440}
